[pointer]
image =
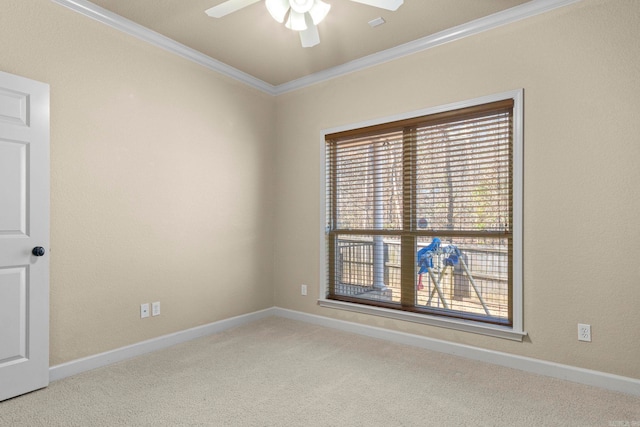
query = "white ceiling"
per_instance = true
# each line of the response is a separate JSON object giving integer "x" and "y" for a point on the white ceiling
{"x": 251, "y": 41}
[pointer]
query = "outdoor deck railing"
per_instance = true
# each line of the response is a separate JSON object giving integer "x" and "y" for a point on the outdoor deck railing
{"x": 355, "y": 271}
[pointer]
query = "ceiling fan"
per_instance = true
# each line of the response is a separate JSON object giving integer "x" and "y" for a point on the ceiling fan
{"x": 297, "y": 15}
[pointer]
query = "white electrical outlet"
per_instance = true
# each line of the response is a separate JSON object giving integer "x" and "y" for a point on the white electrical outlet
{"x": 144, "y": 310}
{"x": 584, "y": 332}
{"x": 303, "y": 289}
{"x": 155, "y": 308}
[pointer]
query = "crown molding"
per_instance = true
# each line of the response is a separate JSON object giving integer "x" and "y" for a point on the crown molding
{"x": 113, "y": 20}
{"x": 508, "y": 16}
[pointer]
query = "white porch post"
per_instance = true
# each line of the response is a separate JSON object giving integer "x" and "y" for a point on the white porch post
{"x": 378, "y": 217}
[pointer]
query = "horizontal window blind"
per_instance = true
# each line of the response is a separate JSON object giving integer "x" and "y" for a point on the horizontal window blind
{"x": 463, "y": 170}
{"x": 367, "y": 185}
{"x": 437, "y": 185}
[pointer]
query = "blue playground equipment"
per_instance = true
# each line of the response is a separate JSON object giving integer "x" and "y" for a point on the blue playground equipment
{"x": 434, "y": 259}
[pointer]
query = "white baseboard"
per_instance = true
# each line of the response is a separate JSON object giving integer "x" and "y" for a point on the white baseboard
{"x": 78, "y": 366}
{"x": 536, "y": 366}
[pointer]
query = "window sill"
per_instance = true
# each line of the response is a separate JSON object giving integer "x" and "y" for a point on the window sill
{"x": 456, "y": 324}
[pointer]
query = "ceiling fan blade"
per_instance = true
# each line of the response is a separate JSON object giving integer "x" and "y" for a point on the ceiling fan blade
{"x": 278, "y": 9}
{"x": 391, "y": 5}
{"x": 296, "y": 21}
{"x": 228, "y": 7}
{"x": 319, "y": 11}
{"x": 310, "y": 36}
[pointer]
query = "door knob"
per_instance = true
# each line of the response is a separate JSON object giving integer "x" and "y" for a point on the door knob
{"x": 38, "y": 251}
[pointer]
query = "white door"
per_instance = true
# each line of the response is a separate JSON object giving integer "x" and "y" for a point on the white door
{"x": 24, "y": 235}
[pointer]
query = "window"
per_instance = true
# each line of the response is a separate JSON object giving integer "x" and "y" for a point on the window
{"x": 420, "y": 216}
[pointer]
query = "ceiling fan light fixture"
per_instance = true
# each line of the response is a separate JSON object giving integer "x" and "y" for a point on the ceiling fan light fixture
{"x": 301, "y": 6}
{"x": 279, "y": 8}
{"x": 296, "y": 21}
{"x": 302, "y": 16}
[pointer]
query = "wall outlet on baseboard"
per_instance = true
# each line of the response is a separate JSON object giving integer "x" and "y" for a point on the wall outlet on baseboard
{"x": 584, "y": 332}
{"x": 155, "y": 308}
{"x": 144, "y": 310}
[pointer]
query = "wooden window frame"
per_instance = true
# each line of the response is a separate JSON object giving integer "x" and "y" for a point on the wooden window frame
{"x": 409, "y": 234}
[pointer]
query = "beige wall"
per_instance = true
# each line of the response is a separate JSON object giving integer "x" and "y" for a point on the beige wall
{"x": 580, "y": 68}
{"x": 161, "y": 180}
{"x": 166, "y": 186}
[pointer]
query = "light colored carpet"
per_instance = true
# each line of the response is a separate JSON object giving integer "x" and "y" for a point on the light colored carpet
{"x": 280, "y": 372}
